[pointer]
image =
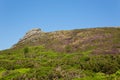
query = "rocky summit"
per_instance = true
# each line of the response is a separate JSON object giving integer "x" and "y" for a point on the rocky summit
{"x": 30, "y": 36}
{"x": 31, "y": 33}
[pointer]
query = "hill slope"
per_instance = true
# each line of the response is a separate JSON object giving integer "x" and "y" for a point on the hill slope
{"x": 99, "y": 40}
{"x": 95, "y": 55}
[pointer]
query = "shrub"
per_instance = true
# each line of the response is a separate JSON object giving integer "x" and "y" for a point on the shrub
{"x": 26, "y": 50}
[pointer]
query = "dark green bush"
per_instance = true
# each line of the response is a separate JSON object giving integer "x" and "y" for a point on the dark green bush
{"x": 26, "y": 50}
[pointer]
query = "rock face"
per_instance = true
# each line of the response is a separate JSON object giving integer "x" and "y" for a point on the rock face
{"x": 32, "y": 32}
{"x": 31, "y": 36}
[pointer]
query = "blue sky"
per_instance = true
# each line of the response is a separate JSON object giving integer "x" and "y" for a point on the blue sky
{"x": 19, "y": 16}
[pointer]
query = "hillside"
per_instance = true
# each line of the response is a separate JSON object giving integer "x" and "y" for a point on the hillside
{"x": 81, "y": 54}
{"x": 99, "y": 40}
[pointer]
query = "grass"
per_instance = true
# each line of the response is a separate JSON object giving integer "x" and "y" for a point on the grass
{"x": 23, "y": 70}
{"x": 1, "y": 72}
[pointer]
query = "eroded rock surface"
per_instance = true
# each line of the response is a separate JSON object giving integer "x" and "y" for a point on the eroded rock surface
{"x": 32, "y": 35}
{"x": 32, "y": 32}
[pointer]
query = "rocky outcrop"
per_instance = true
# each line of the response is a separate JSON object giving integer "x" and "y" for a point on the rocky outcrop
{"x": 31, "y": 35}
{"x": 32, "y": 32}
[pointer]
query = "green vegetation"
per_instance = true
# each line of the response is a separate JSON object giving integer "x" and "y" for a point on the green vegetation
{"x": 42, "y": 64}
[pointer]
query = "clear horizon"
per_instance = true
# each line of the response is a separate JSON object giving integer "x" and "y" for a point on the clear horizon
{"x": 19, "y": 16}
